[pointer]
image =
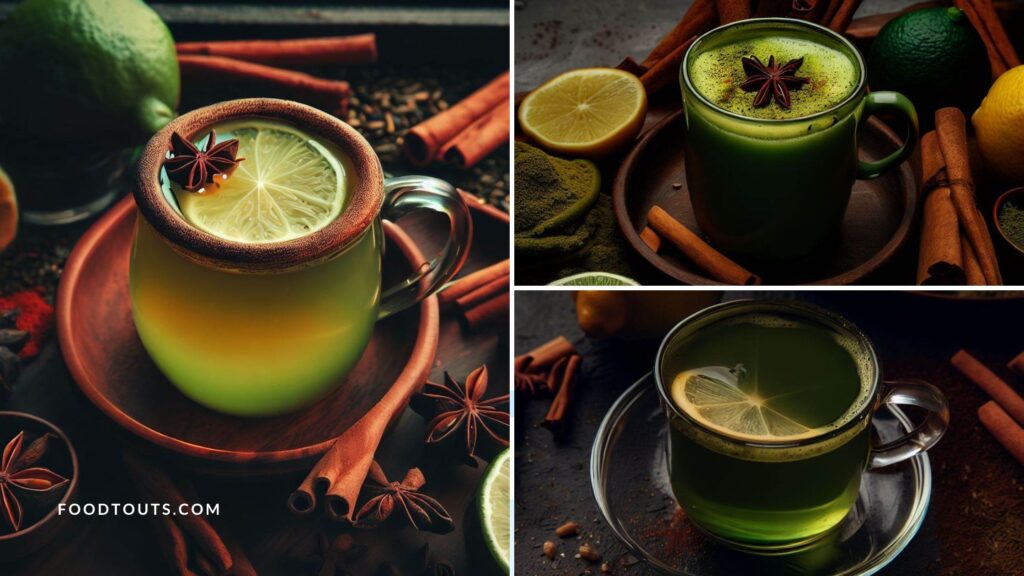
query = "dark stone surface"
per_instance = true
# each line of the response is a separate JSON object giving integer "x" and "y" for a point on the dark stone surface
{"x": 975, "y": 523}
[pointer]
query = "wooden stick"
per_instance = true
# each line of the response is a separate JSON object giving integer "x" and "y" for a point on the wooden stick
{"x": 951, "y": 128}
{"x": 998, "y": 389}
{"x": 700, "y": 252}
{"x": 1003, "y": 428}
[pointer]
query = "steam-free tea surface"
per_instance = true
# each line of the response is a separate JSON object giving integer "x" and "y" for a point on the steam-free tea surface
{"x": 876, "y": 223}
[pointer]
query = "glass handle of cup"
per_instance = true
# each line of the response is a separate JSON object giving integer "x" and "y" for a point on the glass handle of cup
{"x": 924, "y": 435}
{"x": 405, "y": 195}
{"x": 896, "y": 104}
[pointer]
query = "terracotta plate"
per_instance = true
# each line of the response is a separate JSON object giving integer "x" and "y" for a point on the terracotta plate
{"x": 106, "y": 358}
{"x": 876, "y": 224}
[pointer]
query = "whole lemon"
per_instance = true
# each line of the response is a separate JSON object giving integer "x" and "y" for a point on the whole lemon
{"x": 999, "y": 127}
{"x": 87, "y": 69}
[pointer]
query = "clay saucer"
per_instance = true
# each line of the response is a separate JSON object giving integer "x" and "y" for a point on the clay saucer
{"x": 877, "y": 221}
{"x": 107, "y": 360}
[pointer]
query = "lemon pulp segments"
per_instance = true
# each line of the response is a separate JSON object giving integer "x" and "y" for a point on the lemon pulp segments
{"x": 494, "y": 507}
{"x": 592, "y": 110}
{"x": 287, "y": 186}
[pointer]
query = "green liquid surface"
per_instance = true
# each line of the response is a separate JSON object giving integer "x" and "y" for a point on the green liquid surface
{"x": 769, "y": 496}
{"x": 717, "y": 74}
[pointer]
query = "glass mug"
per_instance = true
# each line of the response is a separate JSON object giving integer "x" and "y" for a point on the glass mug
{"x": 769, "y": 497}
{"x": 263, "y": 328}
{"x": 771, "y": 191}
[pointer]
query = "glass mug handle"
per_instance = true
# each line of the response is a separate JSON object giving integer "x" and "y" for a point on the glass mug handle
{"x": 407, "y": 194}
{"x": 894, "y": 102}
{"x": 924, "y": 435}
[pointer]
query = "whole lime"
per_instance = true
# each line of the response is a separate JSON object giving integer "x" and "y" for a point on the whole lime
{"x": 932, "y": 56}
{"x": 87, "y": 69}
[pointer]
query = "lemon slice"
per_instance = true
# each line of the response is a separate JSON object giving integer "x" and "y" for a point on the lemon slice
{"x": 288, "y": 186}
{"x": 588, "y": 112}
{"x": 713, "y": 397}
{"x": 8, "y": 211}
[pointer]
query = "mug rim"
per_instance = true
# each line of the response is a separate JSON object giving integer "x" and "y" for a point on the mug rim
{"x": 812, "y": 311}
{"x": 856, "y": 55}
{"x": 366, "y": 193}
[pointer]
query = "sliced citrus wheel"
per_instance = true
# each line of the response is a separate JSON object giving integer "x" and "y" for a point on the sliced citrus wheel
{"x": 595, "y": 279}
{"x": 287, "y": 186}
{"x": 493, "y": 508}
{"x": 8, "y": 211}
{"x": 714, "y": 398}
{"x": 588, "y": 112}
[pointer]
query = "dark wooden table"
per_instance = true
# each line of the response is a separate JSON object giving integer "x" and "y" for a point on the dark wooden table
{"x": 421, "y": 41}
{"x": 975, "y": 523}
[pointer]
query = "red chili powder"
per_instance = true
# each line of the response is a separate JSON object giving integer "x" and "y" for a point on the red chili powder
{"x": 35, "y": 318}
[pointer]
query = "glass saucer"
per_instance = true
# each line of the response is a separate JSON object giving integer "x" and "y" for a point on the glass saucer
{"x": 629, "y": 474}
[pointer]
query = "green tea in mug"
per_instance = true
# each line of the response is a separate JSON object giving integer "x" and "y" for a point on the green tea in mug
{"x": 771, "y": 437}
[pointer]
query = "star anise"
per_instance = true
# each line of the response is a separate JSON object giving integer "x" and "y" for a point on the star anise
{"x": 194, "y": 169}
{"x": 771, "y": 81}
{"x": 17, "y": 474}
{"x": 465, "y": 407}
{"x": 332, "y": 557}
{"x": 420, "y": 510}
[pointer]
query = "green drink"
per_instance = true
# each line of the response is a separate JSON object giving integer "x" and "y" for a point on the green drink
{"x": 256, "y": 288}
{"x": 770, "y": 179}
{"x": 769, "y": 407}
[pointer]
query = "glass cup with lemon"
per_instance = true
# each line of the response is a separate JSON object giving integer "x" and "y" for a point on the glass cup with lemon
{"x": 256, "y": 289}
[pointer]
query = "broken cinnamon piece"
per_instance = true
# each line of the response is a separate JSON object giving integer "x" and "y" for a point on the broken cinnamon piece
{"x": 732, "y": 10}
{"x": 471, "y": 282}
{"x": 940, "y": 258}
{"x": 716, "y": 264}
{"x": 555, "y": 420}
{"x": 1003, "y": 428}
{"x": 993, "y": 385}
{"x": 950, "y": 126}
{"x": 651, "y": 238}
{"x": 545, "y": 355}
{"x": 523, "y": 380}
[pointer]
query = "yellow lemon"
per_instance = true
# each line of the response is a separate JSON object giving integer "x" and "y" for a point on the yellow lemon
{"x": 999, "y": 127}
{"x": 590, "y": 112}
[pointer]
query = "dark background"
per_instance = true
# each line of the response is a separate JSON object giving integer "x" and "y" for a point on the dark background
{"x": 975, "y": 522}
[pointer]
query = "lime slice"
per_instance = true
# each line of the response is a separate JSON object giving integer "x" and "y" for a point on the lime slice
{"x": 595, "y": 279}
{"x": 713, "y": 397}
{"x": 589, "y": 112}
{"x": 288, "y": 186}
{"x": 493, "y": 508}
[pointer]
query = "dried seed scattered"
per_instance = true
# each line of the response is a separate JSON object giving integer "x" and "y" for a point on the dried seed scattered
{"x": 550, "y": 548}
{"x": 589, "y": 553}
{"x": 567, "y": 530}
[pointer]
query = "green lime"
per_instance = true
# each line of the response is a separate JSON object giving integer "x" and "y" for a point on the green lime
{"x": 932, "y": 56}
{"x": 493, "y": 508}
{"x": 595, "y": 279}
{"x": 87, "y": 69}
{"x": 287, "y": 186}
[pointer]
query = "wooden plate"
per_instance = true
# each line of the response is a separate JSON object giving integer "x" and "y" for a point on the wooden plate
{"x": 876, "y": 224}
{"x": 107, "y": 360}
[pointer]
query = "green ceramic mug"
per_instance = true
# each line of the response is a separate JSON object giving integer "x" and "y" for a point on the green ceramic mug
{"x": 769, "y": 185}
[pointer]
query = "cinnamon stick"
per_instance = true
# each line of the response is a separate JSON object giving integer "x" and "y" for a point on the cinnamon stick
{"x": 700, "y": 252}
{"x": 982, "y": 15}
{"x": 330, "y": 95}
{"x": 951, "y": 129}
{"x": 845, "y": 10}
{"x": 973, "y": 275}
{"x": 557, "y": 373}
{"x": 632, "y": 66}
{"x": 651, "y": 238}
{"x": 732, "y": 10}
{"x": 424, "y": 141}
{"x": 993, "y": 385}
{"x": 482, "y": 294}
{"x": 1003, "y": 429}
{"x": 940, "y": 259}
{"x": 1017, "y": 364}
{"x": 333, "y": 50}
{"x": 470, "y": 282}
{"x": 487, "y": 312}
{"x": 555, "y": 419}
{"x": 665, "y": 72}
{"x": 700, "y": 17}
{"x": 545, "y": 355}
{"x": 481, "y": 138}
{"x": 154, "y": 484}
{"x": 340, "y": 473}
